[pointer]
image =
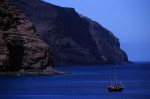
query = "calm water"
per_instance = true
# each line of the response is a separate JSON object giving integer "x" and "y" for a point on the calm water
{"x": 88, "y": 82}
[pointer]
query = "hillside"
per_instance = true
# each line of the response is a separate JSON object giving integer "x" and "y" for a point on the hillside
{"x": 74, "y": 39}
{"x": 21, "y": 49}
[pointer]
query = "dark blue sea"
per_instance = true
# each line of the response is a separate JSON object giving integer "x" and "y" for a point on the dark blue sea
{"x": 85, "y": 82}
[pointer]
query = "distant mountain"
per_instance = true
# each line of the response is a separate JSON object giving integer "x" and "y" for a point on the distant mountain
{"x": 74, "y": 39}
{"x": 20, "y": 47}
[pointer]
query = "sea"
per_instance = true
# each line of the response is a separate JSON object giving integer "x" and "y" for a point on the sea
{"x": 84, "y": 82}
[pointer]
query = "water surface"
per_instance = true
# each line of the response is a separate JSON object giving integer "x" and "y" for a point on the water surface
{"x": 85, "y": 82}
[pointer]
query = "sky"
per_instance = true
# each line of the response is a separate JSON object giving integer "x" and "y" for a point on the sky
{"x": 129, "y": 20}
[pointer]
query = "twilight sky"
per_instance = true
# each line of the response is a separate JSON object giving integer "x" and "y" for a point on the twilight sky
{"x": 129, "y": 20}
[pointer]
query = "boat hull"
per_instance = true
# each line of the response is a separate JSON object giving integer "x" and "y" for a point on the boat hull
{"x": 112, "y": 89}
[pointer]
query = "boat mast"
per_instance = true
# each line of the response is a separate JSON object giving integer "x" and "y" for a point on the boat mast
{"x": 110, "y": 81}
{"x": 115, "y": 79}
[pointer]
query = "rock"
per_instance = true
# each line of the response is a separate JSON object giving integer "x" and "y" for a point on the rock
{"x": 108, "y": 45}
{"x": 74, "y": 39}
{"x": 21, "y": 49}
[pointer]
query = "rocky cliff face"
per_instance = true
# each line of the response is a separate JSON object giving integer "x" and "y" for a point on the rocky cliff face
{"x": 108, "y": 45}
{"x": 75, "y": 39}
{"x": 20, "y": 47}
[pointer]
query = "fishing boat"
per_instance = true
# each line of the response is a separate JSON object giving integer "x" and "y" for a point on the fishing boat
{"x": 115, "y": 86}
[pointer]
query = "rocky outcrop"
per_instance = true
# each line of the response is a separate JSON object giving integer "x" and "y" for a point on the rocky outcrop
{"x": 20, "y": 47}
{"x": 108, "y": 45}
{"x": 75, "y": 39}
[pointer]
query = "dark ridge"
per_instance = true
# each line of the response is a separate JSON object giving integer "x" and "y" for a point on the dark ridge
{"x": 74, "y": 39}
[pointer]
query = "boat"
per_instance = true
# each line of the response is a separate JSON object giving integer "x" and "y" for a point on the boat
{"x": 115, "y": 86}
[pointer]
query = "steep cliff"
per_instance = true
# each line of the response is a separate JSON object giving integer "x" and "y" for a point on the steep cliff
{"x": 74, "y": 39}
{"x": 108, "y": 45}
{"x": 20, "y": 47}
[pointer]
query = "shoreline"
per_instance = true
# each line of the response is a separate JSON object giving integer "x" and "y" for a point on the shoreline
{"x": 32, "y": 73}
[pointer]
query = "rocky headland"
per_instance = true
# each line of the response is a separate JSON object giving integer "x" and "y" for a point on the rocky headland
{"x": 22, "y": 51}
{"x": 35, "y": 36}
{"x": 74, "y": 38}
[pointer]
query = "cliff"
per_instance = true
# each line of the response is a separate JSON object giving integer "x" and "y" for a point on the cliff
{"x": 74, "y": 39}
{"x": 20, "y": 47}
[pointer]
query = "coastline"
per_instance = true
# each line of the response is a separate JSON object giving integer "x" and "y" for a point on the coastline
{"x": 32, "y": 73}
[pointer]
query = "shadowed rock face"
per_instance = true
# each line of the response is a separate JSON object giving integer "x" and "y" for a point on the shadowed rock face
{"x": 75, "y": 39}
{"x": 20, "y": 47}
{"x": 108, "y": 45}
